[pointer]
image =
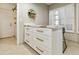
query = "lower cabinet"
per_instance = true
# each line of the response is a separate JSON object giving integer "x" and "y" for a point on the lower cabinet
{"x": 44, "y": 40}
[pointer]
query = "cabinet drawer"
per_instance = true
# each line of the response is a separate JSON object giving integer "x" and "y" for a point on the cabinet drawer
{"x": 28, "y": 29}
{"x": 31, "y": 42}
{"x": 41, "y": 49}
{"x": 26, "y": 36}
{"x": 44, "y": 41}
{"x": 27, "y": 40}
{"x": 43, "y": 31}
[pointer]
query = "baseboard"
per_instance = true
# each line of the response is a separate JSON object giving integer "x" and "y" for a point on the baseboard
{"x": 6, "y": 37}
{"x": 73, "y": 41}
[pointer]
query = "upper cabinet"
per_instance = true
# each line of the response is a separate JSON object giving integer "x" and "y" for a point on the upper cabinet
{"x": 63, "y": 16}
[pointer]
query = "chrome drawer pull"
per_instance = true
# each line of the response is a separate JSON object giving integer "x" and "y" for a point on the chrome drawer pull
{"x": 40, "y": 39}
{"x": 40, "y": 49}
{"x": 39, "y": 30}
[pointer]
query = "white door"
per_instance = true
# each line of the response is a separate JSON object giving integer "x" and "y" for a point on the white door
{"x": 6, "y": 29}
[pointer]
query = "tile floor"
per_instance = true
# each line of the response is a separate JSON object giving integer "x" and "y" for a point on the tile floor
{"x": 8, "y": 47}
{"x": 72, "y": 48}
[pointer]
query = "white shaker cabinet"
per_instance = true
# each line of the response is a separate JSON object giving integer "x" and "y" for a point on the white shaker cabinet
{"x": 46, "y": 41}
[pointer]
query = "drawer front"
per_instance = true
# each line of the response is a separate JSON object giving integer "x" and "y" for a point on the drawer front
{"x": 27, "y": 40}
{"x": 28, "y": 29}
{"x": 27, "y": 35}
{"x": 30, "y": 41}
{"x": 42, "y": 49}
{"x": 44, "y": 41}
{"x": 39, "y": 39}
{"x": 43, "y": 31}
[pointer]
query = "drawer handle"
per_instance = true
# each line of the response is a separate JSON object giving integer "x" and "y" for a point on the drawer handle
{"x": 40, "y": 39}
{"x": 39, "y": 31}
{"x": 39, "y": 49}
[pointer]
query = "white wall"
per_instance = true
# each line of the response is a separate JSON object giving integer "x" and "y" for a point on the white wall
{"x": 41, "y": 16}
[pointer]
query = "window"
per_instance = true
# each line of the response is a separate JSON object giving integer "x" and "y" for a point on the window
{"x": 56, "y": 18}
{"x": 63, "y": 16}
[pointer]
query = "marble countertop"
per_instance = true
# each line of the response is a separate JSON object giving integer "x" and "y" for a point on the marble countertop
{"x": 43, "y": 26}
{"x": 34, "y": 25}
